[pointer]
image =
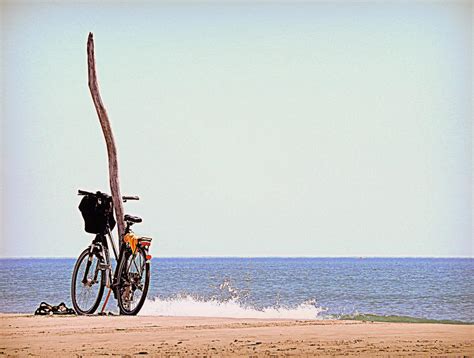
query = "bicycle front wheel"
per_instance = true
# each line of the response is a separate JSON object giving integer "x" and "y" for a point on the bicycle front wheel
{"x": 87, "y": 286}
{"x": 134, "y": 279}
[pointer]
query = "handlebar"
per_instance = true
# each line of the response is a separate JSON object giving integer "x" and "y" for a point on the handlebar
{"x": 124, "y": 198}
{"x": 83, "y": 192}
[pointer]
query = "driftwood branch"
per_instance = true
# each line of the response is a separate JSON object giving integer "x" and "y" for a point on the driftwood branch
{"x": 109, "y": 138}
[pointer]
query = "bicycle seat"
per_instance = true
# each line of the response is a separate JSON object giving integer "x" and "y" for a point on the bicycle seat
{"x": 132, "y": 219}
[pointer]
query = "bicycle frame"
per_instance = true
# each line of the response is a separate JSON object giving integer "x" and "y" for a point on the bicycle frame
{"x": 100, "y": 244}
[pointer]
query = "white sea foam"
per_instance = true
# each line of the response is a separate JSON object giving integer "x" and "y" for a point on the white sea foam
{"x": 190, "y": 306}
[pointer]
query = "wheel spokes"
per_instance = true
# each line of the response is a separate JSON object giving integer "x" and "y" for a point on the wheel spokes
{"x": 86, "y": 292}
{"x": 133, "y": 285}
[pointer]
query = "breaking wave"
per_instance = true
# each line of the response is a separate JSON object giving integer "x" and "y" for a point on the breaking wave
{"x": 190, "y": 306}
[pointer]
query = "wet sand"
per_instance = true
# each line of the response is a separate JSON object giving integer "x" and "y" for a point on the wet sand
{"x": 23, "y": 335}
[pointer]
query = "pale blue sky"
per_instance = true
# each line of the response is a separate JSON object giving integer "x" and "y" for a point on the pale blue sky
{"x": 248, "y": 130}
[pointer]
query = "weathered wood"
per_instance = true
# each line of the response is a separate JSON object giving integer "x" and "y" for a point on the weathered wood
{"x": 109, "y": 138}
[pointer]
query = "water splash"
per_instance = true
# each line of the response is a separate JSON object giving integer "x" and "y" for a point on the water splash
{"x": 186, "y": 305}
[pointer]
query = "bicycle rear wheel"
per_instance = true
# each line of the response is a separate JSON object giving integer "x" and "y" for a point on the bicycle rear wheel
{"x": 134, "y": 280}
{"x": 87, "y": 286}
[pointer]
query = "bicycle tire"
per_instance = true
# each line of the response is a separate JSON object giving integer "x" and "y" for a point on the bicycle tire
{"x": 124, "y": 282}
{"x": 77, "y": 307}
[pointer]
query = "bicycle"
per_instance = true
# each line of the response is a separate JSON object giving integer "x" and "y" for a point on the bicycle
{"x": 93, "y": 269}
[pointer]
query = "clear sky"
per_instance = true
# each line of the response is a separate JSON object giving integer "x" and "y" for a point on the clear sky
{"x": 308, "y": 129}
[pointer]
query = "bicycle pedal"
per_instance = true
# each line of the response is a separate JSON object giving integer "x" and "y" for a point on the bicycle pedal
{"x": 101, "y": 266}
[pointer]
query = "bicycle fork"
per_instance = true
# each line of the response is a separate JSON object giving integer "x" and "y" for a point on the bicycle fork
{"x": 103, "y": 264}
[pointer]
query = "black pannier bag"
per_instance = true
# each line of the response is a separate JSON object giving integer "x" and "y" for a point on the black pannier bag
{"x": 96, "y": 211}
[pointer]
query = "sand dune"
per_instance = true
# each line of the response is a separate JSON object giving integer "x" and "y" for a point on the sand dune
{"x": 23, "y": 335}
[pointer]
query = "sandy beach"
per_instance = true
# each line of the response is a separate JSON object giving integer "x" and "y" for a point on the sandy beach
{"x": 23, "y": 335}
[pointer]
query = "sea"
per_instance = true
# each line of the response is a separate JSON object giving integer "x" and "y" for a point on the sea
{"x": 375, "y": 289}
